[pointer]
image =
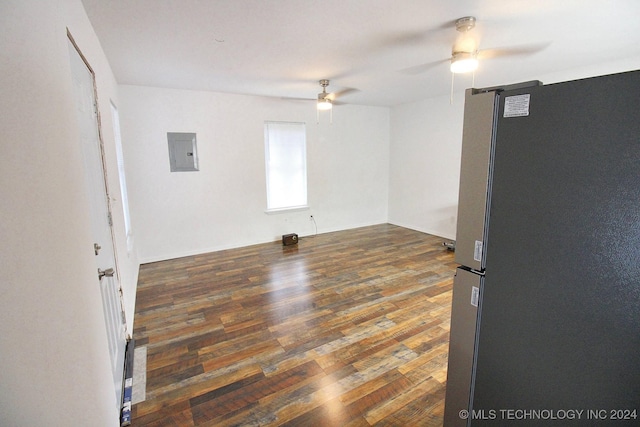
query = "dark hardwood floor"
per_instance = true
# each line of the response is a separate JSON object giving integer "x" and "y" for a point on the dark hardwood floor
{"x": 344, "y": 329}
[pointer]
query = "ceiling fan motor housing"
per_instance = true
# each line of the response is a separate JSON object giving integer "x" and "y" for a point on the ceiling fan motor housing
{"x": 465, "y": 50}
{"x": 465, "y": 24}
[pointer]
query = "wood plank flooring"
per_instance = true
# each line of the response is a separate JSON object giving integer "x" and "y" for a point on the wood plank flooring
{"x": 344, "y": 329}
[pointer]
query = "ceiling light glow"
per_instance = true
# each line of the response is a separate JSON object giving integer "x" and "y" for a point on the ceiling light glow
{"x": 324, "y": 104}
{"x": 464, "y": 62}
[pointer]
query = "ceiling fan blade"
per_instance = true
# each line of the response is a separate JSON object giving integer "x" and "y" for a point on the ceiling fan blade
{"x": 436, "y": 34}
{"x": 520, "y": 50}
{"x": 332, "y": 96}
{"x": 423, "y": 68}
{"x": 290, "y": 98}
{"x": 344, "y": 92}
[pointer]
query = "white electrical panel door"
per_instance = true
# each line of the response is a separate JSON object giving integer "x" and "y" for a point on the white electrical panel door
{"x": 183, "y": 154}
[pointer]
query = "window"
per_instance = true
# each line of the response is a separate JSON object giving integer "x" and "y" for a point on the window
{"x": 285, "y": 150}
{"x": 123, "y": 182}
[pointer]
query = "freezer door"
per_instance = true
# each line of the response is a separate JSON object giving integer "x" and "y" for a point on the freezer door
{"x": 477, "y": 138}
{"x": 464, "y": 313}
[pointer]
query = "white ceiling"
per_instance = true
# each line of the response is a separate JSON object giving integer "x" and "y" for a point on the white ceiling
{"x": 282, "y": 48}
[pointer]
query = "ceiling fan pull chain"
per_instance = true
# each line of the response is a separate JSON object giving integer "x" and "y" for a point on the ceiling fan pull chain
{"x": 451, "y": 96}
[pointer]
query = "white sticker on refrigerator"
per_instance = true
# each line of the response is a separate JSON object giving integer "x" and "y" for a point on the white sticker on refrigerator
{"x": 475, "y": 296}
{"x": 477, "y": 251}
{"x": 517, "y": 106}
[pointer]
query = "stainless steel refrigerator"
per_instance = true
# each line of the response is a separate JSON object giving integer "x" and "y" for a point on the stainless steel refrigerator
{"x": 545, "y": 326}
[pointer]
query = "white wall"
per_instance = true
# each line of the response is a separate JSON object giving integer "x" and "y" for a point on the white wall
{"x": 223, "y": 204}
{"x": 425, "y": 165}
{"x": 353, "y": 165}
{"x": 56, "y": 369}
{"x": 425, "y": 151}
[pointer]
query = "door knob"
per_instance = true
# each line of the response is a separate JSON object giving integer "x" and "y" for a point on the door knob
{"x": 109, "y": 272}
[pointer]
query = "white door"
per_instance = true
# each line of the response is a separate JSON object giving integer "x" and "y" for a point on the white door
{"x": 97, "y": 190}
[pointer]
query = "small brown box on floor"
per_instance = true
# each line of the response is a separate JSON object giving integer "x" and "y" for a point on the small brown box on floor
{"x": 289, "y": 239}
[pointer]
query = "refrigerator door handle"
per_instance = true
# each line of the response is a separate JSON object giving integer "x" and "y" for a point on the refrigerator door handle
{"x": 479, "y": 273}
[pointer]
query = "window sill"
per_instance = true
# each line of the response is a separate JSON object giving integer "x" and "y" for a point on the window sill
{"x": 285, "y": 210}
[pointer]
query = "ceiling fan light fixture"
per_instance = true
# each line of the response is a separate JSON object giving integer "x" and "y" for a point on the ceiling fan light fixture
{"x": 464, "y": 62}
{"x": 324, "y": 100}
{"x": 324, "y": 104}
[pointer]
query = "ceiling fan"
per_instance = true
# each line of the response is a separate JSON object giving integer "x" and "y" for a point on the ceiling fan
{"x": 466, "y": 54}
{"x": 325, "y": 100}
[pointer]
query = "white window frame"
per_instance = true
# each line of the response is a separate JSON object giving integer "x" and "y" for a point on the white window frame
{"x": 285, "y": 166}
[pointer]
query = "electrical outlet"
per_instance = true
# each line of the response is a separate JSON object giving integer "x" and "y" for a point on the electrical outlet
{"x": 310, "y": 217}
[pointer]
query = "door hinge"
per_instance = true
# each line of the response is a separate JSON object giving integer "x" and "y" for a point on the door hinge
{"x": 110, "y": 219}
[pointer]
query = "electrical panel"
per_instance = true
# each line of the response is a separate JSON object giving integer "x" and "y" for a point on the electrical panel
{"x": 183, "y": 153}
